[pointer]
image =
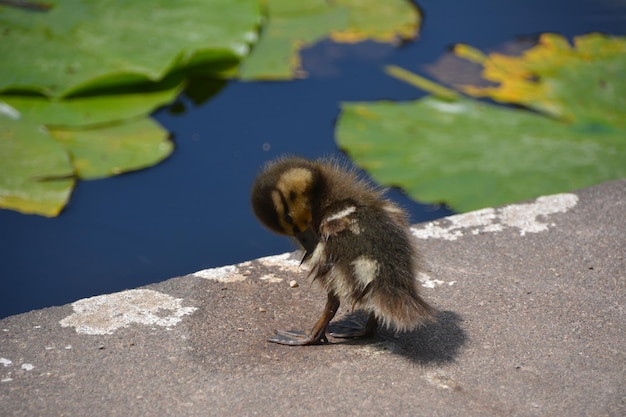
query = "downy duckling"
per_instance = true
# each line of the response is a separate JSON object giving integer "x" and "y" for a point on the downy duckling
{"x": 356, "y": 243}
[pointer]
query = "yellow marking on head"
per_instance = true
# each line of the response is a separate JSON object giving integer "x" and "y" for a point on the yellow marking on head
{"x": 296, "y": 180}
{"x": 278, "y": 203}
{"x": 294, "y": 186}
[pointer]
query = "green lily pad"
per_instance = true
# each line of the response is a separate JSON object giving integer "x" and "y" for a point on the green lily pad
{"x": 472, "y": 155}
{"x": 36, "y": 175}
{"x": 92, "y": 73}
{"x": 292, "y": 25}
{"x": 114, "y": 149}
{"x": 92, "y": 110}
{"x": 81, "y": 45}
{"x": 104, "y": 135}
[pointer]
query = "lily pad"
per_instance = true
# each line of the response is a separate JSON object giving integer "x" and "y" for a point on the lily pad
{"x": 469, "y": 154}
{"x": 92, "y": 110}
{"x": 582, "y": 83}
{"x": 81, "y": 45}
{"x": 291, "y": 25}
{"x": 114, "y": 149}
{"x": 472, "y": 155}
{"x": 94, "y": 137}
{"x": 36, "y": 175}
{"x": 93, "y": 72}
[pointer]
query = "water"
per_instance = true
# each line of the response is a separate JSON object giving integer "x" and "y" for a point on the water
{"x": 192, "y": 211}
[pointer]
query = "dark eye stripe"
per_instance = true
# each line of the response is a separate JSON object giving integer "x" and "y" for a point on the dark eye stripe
{"x": 286, "y": 216}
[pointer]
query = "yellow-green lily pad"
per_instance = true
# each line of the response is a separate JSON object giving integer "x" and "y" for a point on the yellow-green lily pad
{"x": 581, "y": 83}
{"x": 293, "y": 24}
{"x": 36, "y": 175}
{"x": 94, "y": 137}
{"x": 114, "y": 149}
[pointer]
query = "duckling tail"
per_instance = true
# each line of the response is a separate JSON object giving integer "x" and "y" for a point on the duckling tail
{"x": 400, "y": 308}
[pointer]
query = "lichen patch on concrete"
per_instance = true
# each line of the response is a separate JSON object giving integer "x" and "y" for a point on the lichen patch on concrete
{"x": 428, "y": 282}
{"x": 28, "y": 366}
{"x": 284, "y": 261}
{"x": 105, "y": 314}
{"x": 228, "y": 273}
{"x": 441, "y": 380}
{"x": 9, "y": 363}
{"x": 283, "y": 264}
{"x": 527, "y": 218}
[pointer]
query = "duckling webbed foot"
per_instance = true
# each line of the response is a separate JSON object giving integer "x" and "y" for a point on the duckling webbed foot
{"x": 317, "y": 335}
{"x": 350, "y": 328}
{"x": 297, "y": 338}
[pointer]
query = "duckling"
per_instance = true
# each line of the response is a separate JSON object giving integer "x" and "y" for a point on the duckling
{"x": 357, "y": 245}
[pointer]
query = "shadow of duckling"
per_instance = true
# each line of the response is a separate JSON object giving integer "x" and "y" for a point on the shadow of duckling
{"x": 438, "y": 342}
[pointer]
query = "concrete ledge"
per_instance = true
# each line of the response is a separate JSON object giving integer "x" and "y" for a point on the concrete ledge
{"x": 532, "y": 322}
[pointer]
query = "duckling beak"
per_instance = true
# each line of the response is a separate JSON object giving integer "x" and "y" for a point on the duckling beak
{"x": 308, "y": 239}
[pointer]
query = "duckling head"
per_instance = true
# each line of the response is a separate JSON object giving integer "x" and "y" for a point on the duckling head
{"x": 282, "y": 198}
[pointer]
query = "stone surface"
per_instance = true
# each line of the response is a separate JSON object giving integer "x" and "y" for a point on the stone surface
{"x": 531, "y": 301}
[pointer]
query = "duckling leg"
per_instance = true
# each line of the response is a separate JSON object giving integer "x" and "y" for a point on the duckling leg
{"x": 352, "y": 328}
{"x": 317, "y": 335}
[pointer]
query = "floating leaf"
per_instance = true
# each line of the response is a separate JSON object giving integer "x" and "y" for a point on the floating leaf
{"x": 389, "y": 21}
{"x": 81, "y": 45}
{"x": 472, "y": 154}
{"x": 585, "y": 83}
{"x": 294, "y": 24}
{"x": 114, "y": 149}
{"x": 92, "y": 110}
{"x": 35, "y": 171}
{"x": 105, "y": 135}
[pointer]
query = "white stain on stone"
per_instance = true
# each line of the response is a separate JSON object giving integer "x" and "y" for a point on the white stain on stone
{"x": 528, "y": 218}
{"x": 284, "y": 266}
{"x": 524, "y": 216}
{"x": 440, "y": 380}
{"x": 28, "y": 366}
{"x": 235, "y": 273}
{"x": 5, "y": 362}
{"x": 105, "y": 314}
{"x": 271, "y": 278}
{"x": 228, "y": 273}
{"x": 283, "y": 261}
{"x": 428, "y": 282}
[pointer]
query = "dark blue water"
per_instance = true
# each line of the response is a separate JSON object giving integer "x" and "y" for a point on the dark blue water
{"x": 192, "y": 211}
